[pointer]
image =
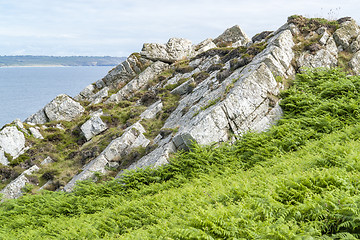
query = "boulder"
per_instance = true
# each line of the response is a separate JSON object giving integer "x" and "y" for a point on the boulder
{"x": 174, "y": 50}
{"x": 93, "y": 127}
{"x": 63, "y": 108}
{"x": 15, "y": 188}
{"x": 12, "y": 141}
{"x": 232, "y": 35}
{"x": 36, "y": 133}
{"x": 343, "y": 36}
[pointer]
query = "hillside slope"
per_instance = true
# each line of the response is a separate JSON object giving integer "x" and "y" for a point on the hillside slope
{"x": 298, "y": 180}
{"x": 165, "y": 99}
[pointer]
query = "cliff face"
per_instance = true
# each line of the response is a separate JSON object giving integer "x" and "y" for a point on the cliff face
{"x": 167, "y": 97}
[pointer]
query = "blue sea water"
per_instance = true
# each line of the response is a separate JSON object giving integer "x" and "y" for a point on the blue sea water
{"x": 25, "y": 90}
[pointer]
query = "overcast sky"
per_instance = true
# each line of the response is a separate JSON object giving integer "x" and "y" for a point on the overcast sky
{"x": 120, "y": 27}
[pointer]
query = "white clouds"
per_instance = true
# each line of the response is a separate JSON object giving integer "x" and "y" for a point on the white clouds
{"x": 113, "y": 27}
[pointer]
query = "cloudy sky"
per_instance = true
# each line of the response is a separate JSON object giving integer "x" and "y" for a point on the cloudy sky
{"x": 120, "y": 27}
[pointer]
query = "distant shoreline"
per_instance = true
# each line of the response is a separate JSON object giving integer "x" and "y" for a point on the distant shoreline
{"x": 54, "y": 61}
{"x": 25, "y": 66}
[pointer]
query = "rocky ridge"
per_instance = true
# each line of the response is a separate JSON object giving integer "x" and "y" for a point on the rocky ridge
{"x": 167, "y": 97}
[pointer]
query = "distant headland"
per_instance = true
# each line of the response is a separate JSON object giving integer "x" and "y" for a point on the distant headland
{"x": 48, "y": 61}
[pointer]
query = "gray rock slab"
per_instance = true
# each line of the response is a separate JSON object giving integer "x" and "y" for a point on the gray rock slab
{"x": 93, "y": 127}
{"x": 14, "y": 188}
{"x": 175, "y": 49}
{"x": 233, "y": 35}
{"x": 152, "y": 110}
{"x": 139, "y": 82}
{"x": 132, "y": 137}
{"x": 63, "y": 108}
{"x": 36, "y": 133}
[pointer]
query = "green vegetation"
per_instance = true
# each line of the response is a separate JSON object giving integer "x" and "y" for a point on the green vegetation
{"x": 307, "y": 25}
{"x": 298, "y": 180}
{"x": 29, "y": 60}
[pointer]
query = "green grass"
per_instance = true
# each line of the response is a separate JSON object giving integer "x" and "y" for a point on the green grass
{"x": 298, "y": 180}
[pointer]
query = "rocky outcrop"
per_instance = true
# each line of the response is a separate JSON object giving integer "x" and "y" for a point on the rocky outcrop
{"x": 15, "y": 188}
{"x": 123, "y": 73}
{"x": 234, "y": 35}
{"x": 207, "y": 93}
{"x": 93, "y": 127}
{"x": 38, "y": 118}
{"x": 63, "y": 108}
{"x": 217, "y": 109}
{"x": 139, "y": 82}
{"x": 346, "y": 33}
{"x": 175, "y": 49}
{"x": 132, "y": 138}
{"x": 203, "y": 46}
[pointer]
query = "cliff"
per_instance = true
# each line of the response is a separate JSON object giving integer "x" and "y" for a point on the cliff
{"x": 164, "y": 99}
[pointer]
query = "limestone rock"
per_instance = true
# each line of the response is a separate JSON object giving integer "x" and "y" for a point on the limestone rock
{"x": 132, "y": 137}
{"x": 322, "y": 58}
{"x": 3, "y": 159}
{"x": 14, "y": 189}
{"x": 86, "y": 93}
{"x": 47, "y": 160}
{"x": 152, "y": 110}
{"x": 93, "y": 127}
{"x": 12, "y": 141}
{"x": 36, "y": 133}
{"x": 63, "y": 108}
{"x": 184, "y": 88}
{"x": 245, "y": 100}
{"x": 124, "y": 72}
{"x": 232, "y": 35}
{"x": 139, "y": 82}
{"x": 355, "y": 45}
{"x": 355, "y": 63}
{"x": 99, "y": 96}
{"x": 175, "y": 49}
{"x": 326, "y": 57}
{"x": 204, "y": 46}
{"x": 20, "y": 126}
{"x": 347, "y": 31}
{"x": 38, "y": 118}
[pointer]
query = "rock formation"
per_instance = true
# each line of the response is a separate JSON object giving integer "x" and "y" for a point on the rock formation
{"x": 172, "y": 95}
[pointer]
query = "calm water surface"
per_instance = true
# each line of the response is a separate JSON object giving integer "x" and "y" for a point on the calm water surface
{"x": 25, "y": 90}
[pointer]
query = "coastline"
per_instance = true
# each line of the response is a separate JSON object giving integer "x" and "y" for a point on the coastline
{"x": 25, "y": 66}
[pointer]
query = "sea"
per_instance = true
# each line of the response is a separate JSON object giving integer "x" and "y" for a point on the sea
{"x": 25, "y": 90}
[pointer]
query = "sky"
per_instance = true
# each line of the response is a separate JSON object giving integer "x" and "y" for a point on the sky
{"x": 120, "y": 27}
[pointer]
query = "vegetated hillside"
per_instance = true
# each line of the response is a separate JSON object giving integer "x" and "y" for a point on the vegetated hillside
{"x": 29, "y": 60}
{"x": 298, "y": 180}
{"x": 189, "y": 119}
